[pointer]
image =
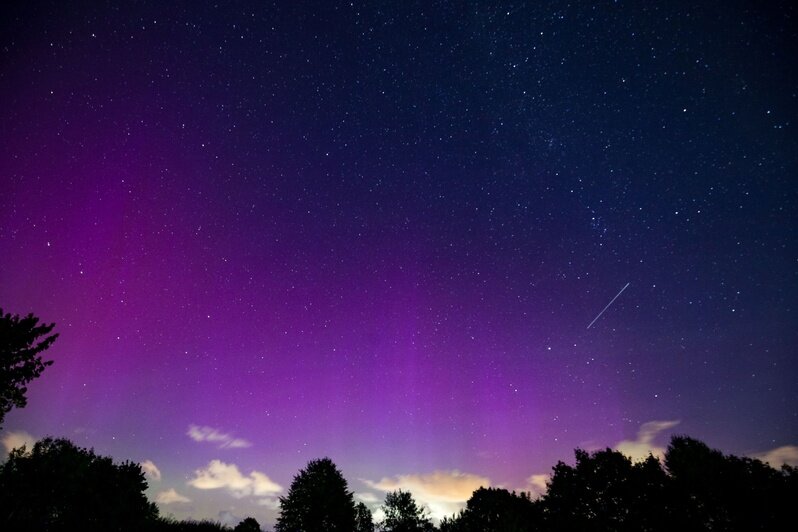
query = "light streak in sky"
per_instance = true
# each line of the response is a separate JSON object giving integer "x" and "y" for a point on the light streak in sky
{"x": 608, "y": 305}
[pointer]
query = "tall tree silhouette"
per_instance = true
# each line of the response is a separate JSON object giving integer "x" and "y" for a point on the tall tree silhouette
{"x": 22, "y": 341}
{"x": 402, "y": 514}
{"x": 58, "y": 486}
{"x": 364, "y": 522}
{"x": 318, "y": 500}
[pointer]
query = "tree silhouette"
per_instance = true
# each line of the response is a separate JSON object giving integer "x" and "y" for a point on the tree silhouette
{"x": 606, "y": 491}
{"x": 22, "y": 341}
{"x": 363, "y": 518}
{"x": 717, "y": 492}
{"x": 318, "y": 500}
{"x": 402, "y": 514}
{"x": 250, "y": 524}
{"x": 496, "y": 509}
{"x": 58, "y": 486}
{"x": 169, "y": 524}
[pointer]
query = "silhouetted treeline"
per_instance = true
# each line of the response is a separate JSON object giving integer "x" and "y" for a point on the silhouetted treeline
{"x": 697, "y": 488}
{"x": 59, "y": 486}
{"x": 56, "y": 486}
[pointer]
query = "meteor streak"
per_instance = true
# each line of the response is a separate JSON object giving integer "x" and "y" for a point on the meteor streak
{"x": 608, "y": 305}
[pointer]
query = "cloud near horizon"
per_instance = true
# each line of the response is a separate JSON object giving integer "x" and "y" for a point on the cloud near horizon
{"x": 272, "y": 503}
{"x": 212, "y": 435}
{"x": 639, "y": 449}
{"x": 16, "y": 439}
{"x": 536, "y": 485}
{"x": 443, "y": 492}
{"x": 785, "y": 455}
{"x": 171, "y": 496}
{"x": 367, "y": 497}
{"x": 219, "y": 475}
{"x": 150, "y": 470}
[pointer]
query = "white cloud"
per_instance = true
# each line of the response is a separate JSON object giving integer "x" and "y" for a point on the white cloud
{"x": 367, "y": 497}
{"x": 443, "y": 492}
{"x": 644, "y": 445}
{"x": 536, "y": 485}
{"x": 270, "y": 503}
{"x": 779, "y": 456}
{"x": 150, "y": 469}
{"x": 210, "y": 434}
{"x": 218, "y": 475}
{"x": 170, "y": 496}
{"x": 228, "y": 518}
{"x": 16, "y": 439}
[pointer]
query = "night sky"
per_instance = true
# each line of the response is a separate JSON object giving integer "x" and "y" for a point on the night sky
{"x": 379, "y": 231}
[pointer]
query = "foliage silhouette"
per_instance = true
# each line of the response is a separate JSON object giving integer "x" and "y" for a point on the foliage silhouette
{"x": 364, "y": 521}
{"x": 168, "y": 524}
{"x": 22, "y": 341}
{"x": 718, "y": 492}
{"x": 250, "y": 524}
{"x": 318, "y": 500}
{"x": 698, "y": 489}
{"x": 58, "y": 486}
{"x": 495, "y": 509}
{"x": 402, "y": 514}
{"x": 606, "y": 491}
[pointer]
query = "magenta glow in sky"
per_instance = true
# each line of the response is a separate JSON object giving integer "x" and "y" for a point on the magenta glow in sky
{"x": 272, "y": 233}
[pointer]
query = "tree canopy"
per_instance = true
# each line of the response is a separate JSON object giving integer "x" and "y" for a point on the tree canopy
{"x": 22, "y": 341}
{"x": 250, "y": 524}
{"x": 495, "y": 509}
{"x": 364, "y": 522}
{"x": 605, "y": 491}
{"x": 697, "y": 488}
{"x": 402, "y": 514}
{"x": 318, "y": 500}
{"x": 722, "y": 492}
{"x": 58, "y": 486}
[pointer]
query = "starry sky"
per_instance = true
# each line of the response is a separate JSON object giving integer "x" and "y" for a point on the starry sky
{"x": 378, "y": 231}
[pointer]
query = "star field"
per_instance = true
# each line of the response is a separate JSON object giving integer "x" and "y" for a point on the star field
{"x": 379, "y": 232}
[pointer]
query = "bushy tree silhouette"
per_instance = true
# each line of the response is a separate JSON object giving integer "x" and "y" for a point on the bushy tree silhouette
{"x": 318, "y": 500}
{"x": 717, "y": 492}
{"x": 250, "y": 524}
{"x": 22, "y": 341}
{"x": 606, "y": 491}
{"x": 402, "y": 514}
{"x": 58, "y": 486}
{"x": 364, "y": 522}
{"x": 496, "y": 509}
